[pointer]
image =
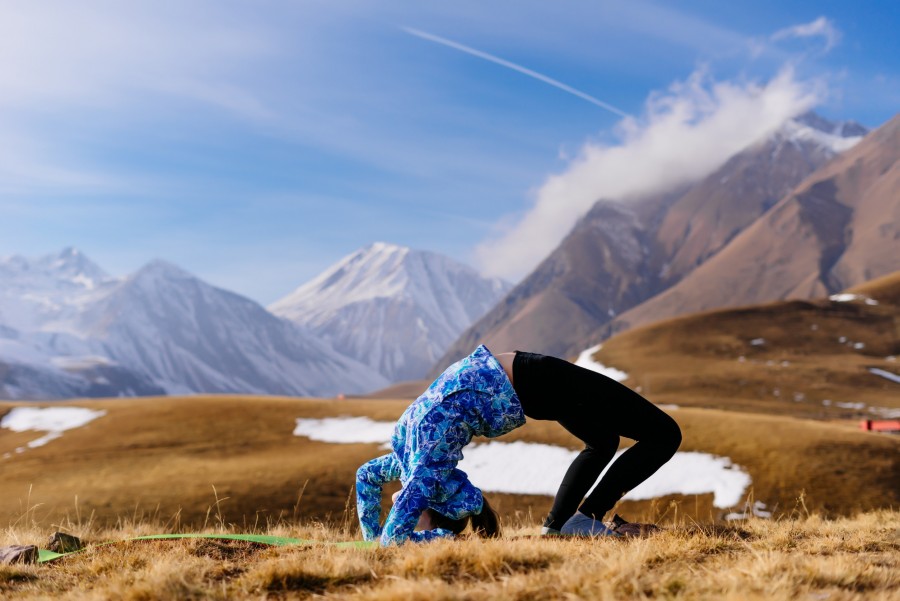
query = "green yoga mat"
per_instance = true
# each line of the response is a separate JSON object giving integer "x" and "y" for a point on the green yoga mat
{"x": 278, "y": 541}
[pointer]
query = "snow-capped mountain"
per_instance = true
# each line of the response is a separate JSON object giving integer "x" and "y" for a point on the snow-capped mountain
{"x": 817, "y": 135}
{"x": 393, "y": 308}
{"x": 50, "y": 291}
{"x": 191, "y": 336}
{"x": 68, "y": 329}
{"x": 620, "y": 255}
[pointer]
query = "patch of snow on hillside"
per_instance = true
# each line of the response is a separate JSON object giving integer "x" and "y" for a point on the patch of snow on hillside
{"x": 857, "y": 406}
{"x": 344, "y": 429}
{"x": 586, "y": 360}
{"x": 885, "y": 374}
{"x": 52, "y": 420}
{"x": 537, "y": 469}
{"x": 758, "y": 509}
{"x": 885, "y": 412}
{"x": 832, "y": 141}
{"x": 846, "y": 298}
{"x": 85, "y": 362}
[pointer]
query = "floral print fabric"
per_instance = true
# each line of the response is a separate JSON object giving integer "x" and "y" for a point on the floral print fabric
{"x": 473, "y": 397}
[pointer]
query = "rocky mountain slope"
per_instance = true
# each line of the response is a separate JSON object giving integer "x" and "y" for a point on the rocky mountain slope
{"x": 838, "y": 228}
{"x": 618, "y": 256}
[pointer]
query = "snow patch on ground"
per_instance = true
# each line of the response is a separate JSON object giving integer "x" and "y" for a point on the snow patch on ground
{"x": 345, "y": 430}
{"x": 846, "y": 298}
{"x": 758, "y": 509}
{"x": 586, "y": 360}
{"x": 85, "y": 362}
{"x": 885, "y": 374}
{"x": 885, "y": 412}
{"x": 537, "y": 469}
{"x": 52, "y": 420}
{"x": 858, "y": 406}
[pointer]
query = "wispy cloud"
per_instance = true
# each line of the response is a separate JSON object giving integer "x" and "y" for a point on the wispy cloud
{"x": 686, "y": 133}
{"x": 515, "y": 67}
{"x": 821, "y": 27}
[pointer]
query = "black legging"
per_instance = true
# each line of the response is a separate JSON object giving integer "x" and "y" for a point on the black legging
{"x": 598, "y": 410}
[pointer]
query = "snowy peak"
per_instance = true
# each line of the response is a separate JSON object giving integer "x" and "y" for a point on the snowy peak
{"x": 69, "y": 266}
{"x": 376, "y": 270}
{"x": 47, "y": 291}
{"x": 843, "y": 129}
{"x": 392, "y": 307}
{"x": 158, "y": 271}
{"x": 379, "y": 270}
{"x": 831, "y": 137}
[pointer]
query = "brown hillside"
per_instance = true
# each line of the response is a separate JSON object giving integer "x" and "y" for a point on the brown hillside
{"x": 839, "y": 228}
{"x": 805, "y": 358}
{"x": 710, "y": 214}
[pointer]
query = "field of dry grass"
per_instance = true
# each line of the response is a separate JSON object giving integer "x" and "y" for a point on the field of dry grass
{"x": 803, "y": 557}
{"x": 180, "y": 460}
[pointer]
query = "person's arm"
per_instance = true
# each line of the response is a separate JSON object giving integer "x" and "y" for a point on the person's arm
{"x": 370, "y": 478}
{"x": 410, "y": 503}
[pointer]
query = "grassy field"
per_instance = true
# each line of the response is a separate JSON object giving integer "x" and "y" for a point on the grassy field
{"x": 804, "y": 557}
{"x": 184, "y": 461}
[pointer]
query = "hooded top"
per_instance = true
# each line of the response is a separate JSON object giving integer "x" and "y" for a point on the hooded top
{"x": 473, "y": 397}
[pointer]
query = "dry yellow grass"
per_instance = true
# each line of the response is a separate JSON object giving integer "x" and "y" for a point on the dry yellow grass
{"x": 804, "y": 557}
{"x": 190, "y": 462}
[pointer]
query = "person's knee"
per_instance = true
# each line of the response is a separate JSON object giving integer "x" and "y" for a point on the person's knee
{"x": 670, "y": 434}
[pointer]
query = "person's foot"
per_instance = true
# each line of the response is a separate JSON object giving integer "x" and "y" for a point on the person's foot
{"x": 583, "y": 525}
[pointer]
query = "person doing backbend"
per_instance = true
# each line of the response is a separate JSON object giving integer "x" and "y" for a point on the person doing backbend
{"x": 488, "y": 395}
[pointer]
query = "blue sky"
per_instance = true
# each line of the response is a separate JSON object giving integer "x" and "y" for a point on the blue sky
{"x": 255, "y": 143}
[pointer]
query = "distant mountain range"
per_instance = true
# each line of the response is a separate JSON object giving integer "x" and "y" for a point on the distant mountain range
{"x": 384, "y": 313}
{"x": 68, "y": 329}
{"x": 392, "y": 308}
{"x": 702, "y": 245}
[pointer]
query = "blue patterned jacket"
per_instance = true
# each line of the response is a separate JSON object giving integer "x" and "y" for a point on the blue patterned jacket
{"x": 473, "y": 397}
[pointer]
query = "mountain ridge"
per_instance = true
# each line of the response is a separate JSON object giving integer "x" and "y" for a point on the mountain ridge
{"x": 577, "y": 290}
{"x": 394, "y": 308}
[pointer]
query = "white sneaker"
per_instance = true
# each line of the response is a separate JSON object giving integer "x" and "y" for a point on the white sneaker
{"x": 545, "y": 531}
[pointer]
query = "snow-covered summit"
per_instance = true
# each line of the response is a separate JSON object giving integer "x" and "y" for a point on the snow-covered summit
{"x": 39, "y": 292}
{"x": 843, "y": 129}
{"x": 392, "y": 307}
{"x": 383, "y": 270}
{"x": 69, "y": 266}
{"x": 827, "y": 135}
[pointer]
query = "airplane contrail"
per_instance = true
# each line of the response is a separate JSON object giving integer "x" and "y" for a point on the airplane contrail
{"x": 510, "y": 65}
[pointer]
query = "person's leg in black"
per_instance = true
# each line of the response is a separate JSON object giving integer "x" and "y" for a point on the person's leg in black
{"x": 600, "y": 447}
{"x": 597, "y": 410}
{"x": 657, "y": 438}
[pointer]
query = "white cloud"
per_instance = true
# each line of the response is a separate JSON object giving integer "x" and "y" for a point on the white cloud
{"x": 686, "y": 133}
{"x": 821, "y": 27}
